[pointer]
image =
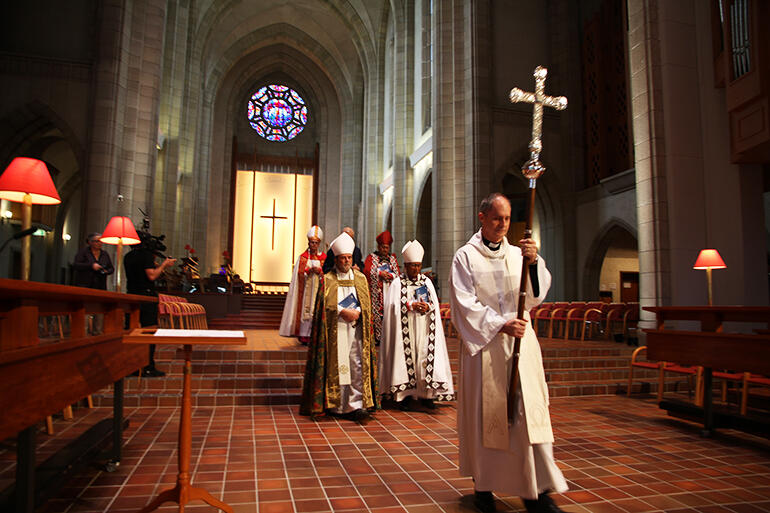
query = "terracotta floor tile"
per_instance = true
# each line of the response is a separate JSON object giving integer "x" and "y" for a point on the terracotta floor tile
{"x": 276, "y": 507}
{"x": 348, "y": 503}
{"x": 619, "y": 455}
{"x": 380, "y": 501}
{"x": 274, "y": 495}
{"x": 313, "y": 505}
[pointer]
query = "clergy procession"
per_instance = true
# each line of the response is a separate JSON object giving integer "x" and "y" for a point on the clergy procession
{"x": 385, "y": 256}
{"x": 350, "y": 372}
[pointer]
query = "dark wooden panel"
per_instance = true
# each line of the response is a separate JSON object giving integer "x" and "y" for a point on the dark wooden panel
{"x": 734, "y": 351}
{"x": 33, "y": 388}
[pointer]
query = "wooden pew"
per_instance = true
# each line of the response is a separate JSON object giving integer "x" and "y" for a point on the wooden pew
{"x": 39, "y": 378}
{"x": 711, "y": 348}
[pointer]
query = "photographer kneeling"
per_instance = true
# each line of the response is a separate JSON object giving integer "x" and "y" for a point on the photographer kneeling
{"x": 141, "y": 273}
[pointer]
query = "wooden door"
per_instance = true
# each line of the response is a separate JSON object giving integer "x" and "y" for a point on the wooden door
{"x": 629, "y": 287}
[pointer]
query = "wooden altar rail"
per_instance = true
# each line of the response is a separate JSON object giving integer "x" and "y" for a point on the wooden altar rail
{"x": 710, "y": 347}
{"x": 39, "y": 378}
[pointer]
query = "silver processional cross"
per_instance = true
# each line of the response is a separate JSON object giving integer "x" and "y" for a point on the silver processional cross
{"x": 533, "y": 168}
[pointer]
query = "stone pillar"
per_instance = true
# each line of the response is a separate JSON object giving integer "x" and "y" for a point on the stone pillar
{"x": 453, "y": 199}
{"x": 403, "y": 125}
{"x": 125, "y": 109}
{"x": 686, "y": 187}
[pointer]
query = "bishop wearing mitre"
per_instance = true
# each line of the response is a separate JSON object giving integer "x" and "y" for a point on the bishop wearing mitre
{"x": 305, "y": 280}
{"x": 341, "y": 369}
{"x": 414, "y": 361}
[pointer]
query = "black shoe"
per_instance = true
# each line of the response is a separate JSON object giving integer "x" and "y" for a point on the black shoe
{"x": 428, "y": 403}
{"x": 359, "y": 415}
{"x": 405, "y": 404}
{"x": 484, "y": 501}
{"x": 543, "y": 504}
{"x": 152, "y": 372}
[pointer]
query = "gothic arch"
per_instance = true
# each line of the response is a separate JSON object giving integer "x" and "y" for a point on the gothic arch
{"x": 227, "y": 100}
{"x": 37, "y": 131}
{"x": 423, "y": 222}
{"x": 614, "y": 230}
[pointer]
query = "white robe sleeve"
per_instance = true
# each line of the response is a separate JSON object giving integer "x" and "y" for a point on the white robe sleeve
{"x": 477, "y": 324}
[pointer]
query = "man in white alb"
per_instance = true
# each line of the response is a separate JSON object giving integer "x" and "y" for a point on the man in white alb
{"x": 512, "y": 458}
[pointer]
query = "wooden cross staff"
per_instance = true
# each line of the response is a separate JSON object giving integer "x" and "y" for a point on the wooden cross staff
{"x": 532, "y": 169}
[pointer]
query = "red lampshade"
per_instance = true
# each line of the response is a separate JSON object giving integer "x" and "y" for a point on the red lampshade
{"x": 709, "y": 259}
{"x": 28, "y": 176}
{"x": 120, "y": 229}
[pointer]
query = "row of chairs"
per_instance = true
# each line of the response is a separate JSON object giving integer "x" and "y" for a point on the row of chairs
{"x": 694, "y": 375}
{"x": 176, "y": 313}
{"x": 578, "y": 318}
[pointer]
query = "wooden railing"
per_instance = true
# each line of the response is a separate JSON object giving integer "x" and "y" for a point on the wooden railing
{"x": 40, "y": 377}
{"x": 712, "y": 348}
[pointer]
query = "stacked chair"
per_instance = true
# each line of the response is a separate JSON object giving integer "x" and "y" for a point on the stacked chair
{"x": 580, "y": 320}
{"x": 176, "y": 313}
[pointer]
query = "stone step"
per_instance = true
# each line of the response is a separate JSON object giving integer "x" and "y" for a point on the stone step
{"x": 597, "y": 376}
{"x": 227, "y": 376}
{"x": 130, "y": 400}
{"x": 614, "y": 387}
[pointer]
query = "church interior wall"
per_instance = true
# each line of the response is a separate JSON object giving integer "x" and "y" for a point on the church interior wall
{"x": 279, "y": 32}
{"x": 713, "y": 203}
{"x": 616, "y": 261}
{"x": 595, "y": 212}
{"x": 523, "y": 37}
{"x": 325, "y": 107}
{"x": 690, "y": 196}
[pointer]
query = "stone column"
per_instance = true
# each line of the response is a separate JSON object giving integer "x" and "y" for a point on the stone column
{"x": 403, "y": 124}
{"x": 686, "y": 187}
{"x": 125, "y": 108}
{"x": 453, "y": 199}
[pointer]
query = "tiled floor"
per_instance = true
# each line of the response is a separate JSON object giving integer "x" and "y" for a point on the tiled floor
{"x": 618, "y": 454}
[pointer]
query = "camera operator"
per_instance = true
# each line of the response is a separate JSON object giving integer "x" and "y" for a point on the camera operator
{"x": 141, "y": 273}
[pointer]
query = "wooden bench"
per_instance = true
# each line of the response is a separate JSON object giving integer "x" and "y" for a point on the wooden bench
{"x": 711, "y": 348}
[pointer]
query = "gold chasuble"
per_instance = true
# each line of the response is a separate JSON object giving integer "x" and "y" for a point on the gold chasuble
{"x": 321, "y": 388}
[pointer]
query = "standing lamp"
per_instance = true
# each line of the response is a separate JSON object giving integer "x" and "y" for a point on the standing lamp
{"x": 709, "y": 259}
{"x": 120, "y": 231}
{"x": 27, "y": 181}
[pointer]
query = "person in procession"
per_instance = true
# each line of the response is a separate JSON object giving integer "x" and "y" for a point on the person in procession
{"x": 358, "y": 263}
{"x": 341, "y": 369}
{"x": 413, "y": 355}
{"x": 515, "y": 456}
{"x": 297, "y": 317}
{"x": 380, "y": 268}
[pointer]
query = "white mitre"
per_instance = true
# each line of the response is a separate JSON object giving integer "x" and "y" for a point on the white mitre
{"x": 343, "y": 245}
{"x": 315, "y": 233}
{"x": 412, "y": 252}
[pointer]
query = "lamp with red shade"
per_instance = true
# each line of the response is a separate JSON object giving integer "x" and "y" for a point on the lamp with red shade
{"x": 709, "y": 259}
{"x": 120, "y": 230}
{"x": 27, "y": 181}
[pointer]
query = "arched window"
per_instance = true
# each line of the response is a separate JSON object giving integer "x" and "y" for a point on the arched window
{"x": 277, "y": 113}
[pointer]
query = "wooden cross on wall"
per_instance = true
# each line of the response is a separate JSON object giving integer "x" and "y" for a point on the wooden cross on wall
{"x": 274, "y": 217}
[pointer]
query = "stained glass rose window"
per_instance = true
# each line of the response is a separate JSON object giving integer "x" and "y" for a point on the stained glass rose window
{"x": 277, "y": 113}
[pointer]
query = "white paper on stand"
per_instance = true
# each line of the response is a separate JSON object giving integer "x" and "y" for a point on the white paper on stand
{"x": 199, "y": 333}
